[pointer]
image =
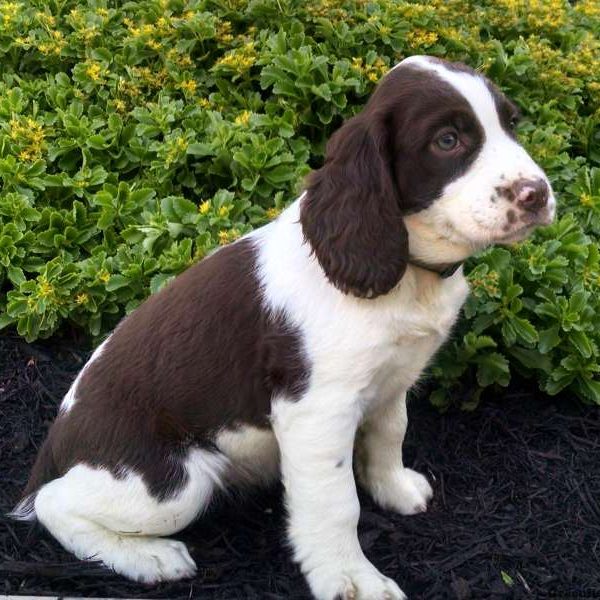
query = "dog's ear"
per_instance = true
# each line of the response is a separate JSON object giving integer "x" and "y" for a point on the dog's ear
{"x": 351, "y": 215}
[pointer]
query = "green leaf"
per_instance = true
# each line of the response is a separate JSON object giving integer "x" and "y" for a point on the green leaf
{"x": 524, "y": 329}
{"x": 200, "y": 149}
{"x": 116, "y": 282}
{"x": 160, "y": 281}
{"x": 5, "y": 320}
{"x": 548, "y": 339}
{"x": 581, "y": 341}
{"x": 493, "y": 368}
{"x": 590, "y": 388}
{"x": 16, "y": 275}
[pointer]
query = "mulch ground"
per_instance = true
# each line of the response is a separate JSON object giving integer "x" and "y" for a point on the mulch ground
{"x": 516, "y": 512}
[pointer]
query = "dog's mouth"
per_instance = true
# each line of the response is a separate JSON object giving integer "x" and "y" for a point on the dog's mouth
{"x": 528, "y": 222}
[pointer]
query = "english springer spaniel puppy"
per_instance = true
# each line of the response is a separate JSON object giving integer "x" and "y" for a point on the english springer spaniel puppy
{"x": 267, "y": 357}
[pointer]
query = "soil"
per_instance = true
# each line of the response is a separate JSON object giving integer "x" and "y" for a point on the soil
{"x": 516, "y": 512}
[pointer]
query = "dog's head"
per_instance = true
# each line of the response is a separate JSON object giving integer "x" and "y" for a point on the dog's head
{"x": 429, "y": 171}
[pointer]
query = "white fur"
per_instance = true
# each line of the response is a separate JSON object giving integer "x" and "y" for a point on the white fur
{"x": 253, "y": 453}
{"x": 364, "y": 355}
{"x": 115, "y": 520}
{"x": 380, "y": 467}
{"x": 71, "y": 396}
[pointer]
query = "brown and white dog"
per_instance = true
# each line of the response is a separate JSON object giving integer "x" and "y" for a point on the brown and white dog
{"x": 264, "y": 359}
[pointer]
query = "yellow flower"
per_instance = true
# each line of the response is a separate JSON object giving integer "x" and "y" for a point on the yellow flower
{"x": 228, "y": 236}
{"x": 155, "y": 79}
{"x": 273, "y": 212}
{"x": 94, "y": 71}
{"x": 45, "y": 289}
{"x": 240, "y": 59}
{"x": 188, "y": 86}
{"x": 421, "y": 37}
{"x": 176, "y": 149}
{"x": 586, "y": 200}
{"x": 163, "y": 24}
{"x": 204, "y": 207}
{"x": 182, "y": 60}
{"x": 224, "y": 31}
{"x": 45, "y": 18}
{"x": 29, "y": 135}
{"x": 224, "y": 211}
{"x": 204, "y": 102}
{"x": 81, "y": 298}
{"x": 129, "y": 88}
{"x": 154, "y": 44}
{"x": 104, "y": 276}
{"x": 243, "y": 118}
{"x": 8, "y": 10}
{"x": 590, "y": 8}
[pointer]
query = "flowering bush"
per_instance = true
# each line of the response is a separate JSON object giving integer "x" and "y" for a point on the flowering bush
{"x": 135, "y": 139}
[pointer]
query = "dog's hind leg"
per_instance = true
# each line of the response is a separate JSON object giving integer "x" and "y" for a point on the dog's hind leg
{"x": 116, "y": 520}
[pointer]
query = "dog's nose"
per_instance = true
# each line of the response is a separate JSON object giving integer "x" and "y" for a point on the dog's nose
{"x": 531, "y": 194}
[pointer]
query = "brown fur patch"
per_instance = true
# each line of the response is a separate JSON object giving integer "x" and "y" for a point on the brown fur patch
{"x": 200, "y": 355}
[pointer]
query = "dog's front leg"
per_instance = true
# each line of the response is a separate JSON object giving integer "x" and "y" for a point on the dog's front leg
{"x": 381, "y": 469}
{"x": 316, "y": 437}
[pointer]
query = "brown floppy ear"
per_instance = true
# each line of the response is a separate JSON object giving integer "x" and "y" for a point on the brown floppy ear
{"x": 351, "y": 213}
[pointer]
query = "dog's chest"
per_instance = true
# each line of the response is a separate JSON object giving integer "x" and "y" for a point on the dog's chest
{"x": 404, "y": 342}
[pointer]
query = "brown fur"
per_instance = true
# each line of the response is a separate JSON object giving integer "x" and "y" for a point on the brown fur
{"x": 200, "y": 355}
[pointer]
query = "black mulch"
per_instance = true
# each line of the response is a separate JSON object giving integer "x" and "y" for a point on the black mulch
{"x": 516, "y": 511}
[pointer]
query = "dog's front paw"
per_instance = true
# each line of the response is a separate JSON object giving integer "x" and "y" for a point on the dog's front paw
{"x": 402, "y": 490}
{"x": 354, "y": 581}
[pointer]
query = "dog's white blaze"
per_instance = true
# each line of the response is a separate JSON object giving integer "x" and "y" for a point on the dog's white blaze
{"x": 71, "y": 396}
{"x": 473, "y": 89}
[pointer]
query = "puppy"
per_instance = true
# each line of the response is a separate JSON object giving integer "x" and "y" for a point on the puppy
{"x": 264, "y": 359}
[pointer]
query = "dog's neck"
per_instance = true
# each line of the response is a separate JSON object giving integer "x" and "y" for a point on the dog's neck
{"x": 429, "y": 251}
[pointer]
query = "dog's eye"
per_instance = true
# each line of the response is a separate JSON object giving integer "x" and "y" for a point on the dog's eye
{"x": 447, "y": 141}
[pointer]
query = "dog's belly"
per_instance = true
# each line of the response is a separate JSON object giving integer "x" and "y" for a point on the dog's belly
{"x": 253, "y": 454}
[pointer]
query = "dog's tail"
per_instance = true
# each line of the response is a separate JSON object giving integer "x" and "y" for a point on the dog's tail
{"x": 44, "y": 470}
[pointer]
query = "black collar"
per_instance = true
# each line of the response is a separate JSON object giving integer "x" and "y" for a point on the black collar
{"x": 444, "y": 270}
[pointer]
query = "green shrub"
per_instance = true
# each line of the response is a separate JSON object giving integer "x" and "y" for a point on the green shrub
{"x": 135, "y": 139}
